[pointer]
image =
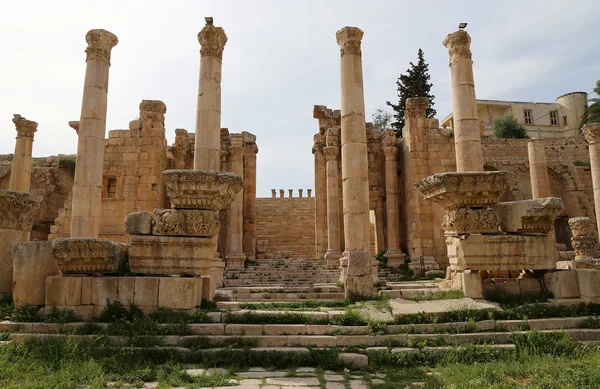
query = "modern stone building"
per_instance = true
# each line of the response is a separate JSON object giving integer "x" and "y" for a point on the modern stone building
{"x": 542, "y": 120}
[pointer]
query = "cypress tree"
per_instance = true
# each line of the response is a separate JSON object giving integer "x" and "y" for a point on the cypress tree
{"x": 415, "y": 83}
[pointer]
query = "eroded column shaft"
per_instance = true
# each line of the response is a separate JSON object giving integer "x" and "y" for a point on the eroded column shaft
{"x": 20, "y": 173}
{"x": 538, "y": 169}
{"x": 320, "y": 197}
{"x": 592, "y": 135}
{"x": 333, "y": 253}
{"x": 235, "y": 224}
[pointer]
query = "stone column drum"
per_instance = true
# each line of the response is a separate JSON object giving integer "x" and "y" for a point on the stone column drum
{"x": 355, "y": 180}
{"x": 592, "y": 135}
{"x": 320, "y": 196}
{"x": 87, "y": 186}
{"x": 538, "y": 169}
{"x": 235, "y": 223}
{"x": 250, "y": 200}
{"x": 333, "y": 253}
{"x": 393, "y": 253}
{"x": 20, "y": 173}
{"x": 207, "y": 147}
{"x": 467, "y": 136}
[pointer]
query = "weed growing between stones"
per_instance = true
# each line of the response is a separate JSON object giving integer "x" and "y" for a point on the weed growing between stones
{"x": 439, "y": 295}
{"x": 274, "y": 318}
{"x": 509, "y": 300}
{"x": 291, "y": 306}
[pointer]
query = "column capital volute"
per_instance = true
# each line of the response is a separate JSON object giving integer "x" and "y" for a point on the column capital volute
{"x": 591, "y": 132}
{"x": 458, "y": 44}
{"x": 391, "y": 152}
{"x": 416, "y": 107}
{"x": 236, "y": 154}
{"x": 25, "y": 128}
{"x": 100, "y": 43}
{"x": 331, "y": 152}
{"x": 212, "y": 41}
{"x": 349, "y": 39}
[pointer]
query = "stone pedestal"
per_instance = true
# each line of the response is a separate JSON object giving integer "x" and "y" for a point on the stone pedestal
{"x": 32, "y": 263}
{"x": 538, "y": 169}
{"x": 87, "y": 186}
{"x": 17, "y": 210}
{"x": 320, "y": 196}
{"x": 20, "y": 173}
{"x": 467, "y": 136}
{"x": 355, "y": 179}
{"x": 395, "y": 256}
{"x": 592, "y": 135}
{"x": 207, "y": 147}
{"x": 235, "y": 256}
{"x": 584, "y": 243}
{"x": 332, "y": 152}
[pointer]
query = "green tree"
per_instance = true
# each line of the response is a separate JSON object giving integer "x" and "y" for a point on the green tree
{"x": 508, "y": 127}
{"x": 381, "y": 119}
{"x": 415, "y": 83}
{"x": 592, "y": 113}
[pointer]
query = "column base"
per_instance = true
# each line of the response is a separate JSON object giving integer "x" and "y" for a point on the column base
{"x": 235, "y": 260}
{"x": 359, "y": 279}
{"x": 395, "y": 258}
{"x": 333, "y": 259}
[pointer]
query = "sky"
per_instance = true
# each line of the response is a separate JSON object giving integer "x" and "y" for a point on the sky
{"x": 280, "y": 60}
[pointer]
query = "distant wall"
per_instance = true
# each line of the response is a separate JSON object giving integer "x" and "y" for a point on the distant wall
{"x": 285, "y": 224}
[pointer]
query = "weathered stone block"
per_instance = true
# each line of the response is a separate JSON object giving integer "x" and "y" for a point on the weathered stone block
{"x": 33, "y": 262}
{"x": 530, "y": 216}
{"x": 146, "y": 291}
{"x": 529, "y": 285}
{"x": 63, "y": 291}
{"x": 104, "y": 289}
{"x": 179, "y": 293}
{"x": 562, "y": 284}
{"x": 125, "y": 290}
{"x": 589, "y": 284}
{"x": 139, "y": 223}
{"x": 87, "y": 255}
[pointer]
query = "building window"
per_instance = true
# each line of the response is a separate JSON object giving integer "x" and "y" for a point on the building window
{"x": 528, "y": 117}
{"x": 564, "y": 121}
{"x": 109, "y": 187}
{"x": 553, "y": 118}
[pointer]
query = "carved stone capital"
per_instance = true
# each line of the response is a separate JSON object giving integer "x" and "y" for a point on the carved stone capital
{"x": 331, "y": 153}
{"x": 591, "y": 132}
{"x": 251, "y": 149}
{"x": 236, "y": 154}
{"x": 332, "y": 136}
{"x": 584, "y": 246}
{"x": 100, "y": 43}
{"x": 25, "y": 128}
{"x": 530, "y": 216}
{"x": 319, "y": 143}
{"x": 188, "y": 222}
{"x": 458, "y": 44}
{"x": 212, "y": 41}
{"x": 153, "y": 106}
{"x": 152, "y": 114}
{"x": 391, "y": 153}
{"x": 581, "y": 226}
{"x": 17, "y": 210}
{"x": 88, "y": 255}
{"x": 349, "y": 39}
{"x": 471, "y": 221}
{"x": 388, "y": 139}
{"x": 201, "y": 189}
{"x": 416, "y": 107}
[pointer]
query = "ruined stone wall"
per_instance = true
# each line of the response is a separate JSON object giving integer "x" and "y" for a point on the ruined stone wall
{"x": 49, "y": 181}
{"x": 285, "y": 224}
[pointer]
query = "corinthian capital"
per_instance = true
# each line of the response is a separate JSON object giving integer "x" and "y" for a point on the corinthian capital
{"x": 100, "y": 43}
{"x": 212, "y": 41}
{"x": 390, "y": 153}
{"x": 349, "y": 39}
{"x": 416, "y": 107}
{"x": 592, "y": 132}
{"x": 458, "y": 44}
{"x": 24, "y": 127}
{"x": 236, "y": 154}
{"x": 331, "y": 153}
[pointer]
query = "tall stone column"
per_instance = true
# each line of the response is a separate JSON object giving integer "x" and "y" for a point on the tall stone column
{"x": 332, "y": 152}
{"x": 235, "y": 255}
{"x": 87, "y": 186}
{"x": 355, "y": 179}
{"x": 250, "y": 200}
{"x": 20, "y": 173}
{"x": 467, "y": 136}
{"x": 207, "y": 147}
{"x": 538, "y": 169}
{"x": 592, "y": 135}
{"x": 394, "y": 254}
{"x": 320, "y": 197}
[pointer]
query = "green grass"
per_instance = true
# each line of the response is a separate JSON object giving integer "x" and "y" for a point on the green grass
{"x": 509, "y": 300}
{"x": 439, "y": 295}
{"x": 308, "y": 305}
{"x": 274, "y": 318}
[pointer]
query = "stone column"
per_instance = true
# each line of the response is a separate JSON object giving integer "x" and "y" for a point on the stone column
{"x": 592, "y": 135}
{"x": 281, "y": 193}
{"x": 309, "y": 193}
{"x": 291, "y": 193}
{"x": 300, "y": 193}
{"x": 87, "y": 186}
{"x": 332, "y": 152}
{"x": 467, "y": 137}
{"x": 250, "y": 199}
{"x": 320, "y": 197}
{"x": 393, "y": 253}
{"x": 355, "y": 180}
{"x": 538, "y": 169}
{"x": 273, "y": 193}
{"x": 20, "y": 173}
{"x": 207, "y": 147}
{"x": 235, "y": 225}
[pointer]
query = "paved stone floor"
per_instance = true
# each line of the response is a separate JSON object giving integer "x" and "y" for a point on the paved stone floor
{"x": 300, "y": 378}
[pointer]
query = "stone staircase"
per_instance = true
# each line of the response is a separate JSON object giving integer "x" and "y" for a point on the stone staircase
{"x": 280, "y": 272}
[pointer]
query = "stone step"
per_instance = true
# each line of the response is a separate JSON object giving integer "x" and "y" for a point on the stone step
{"x": 285, "y": 289}
{"x": 407, "y": 293}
